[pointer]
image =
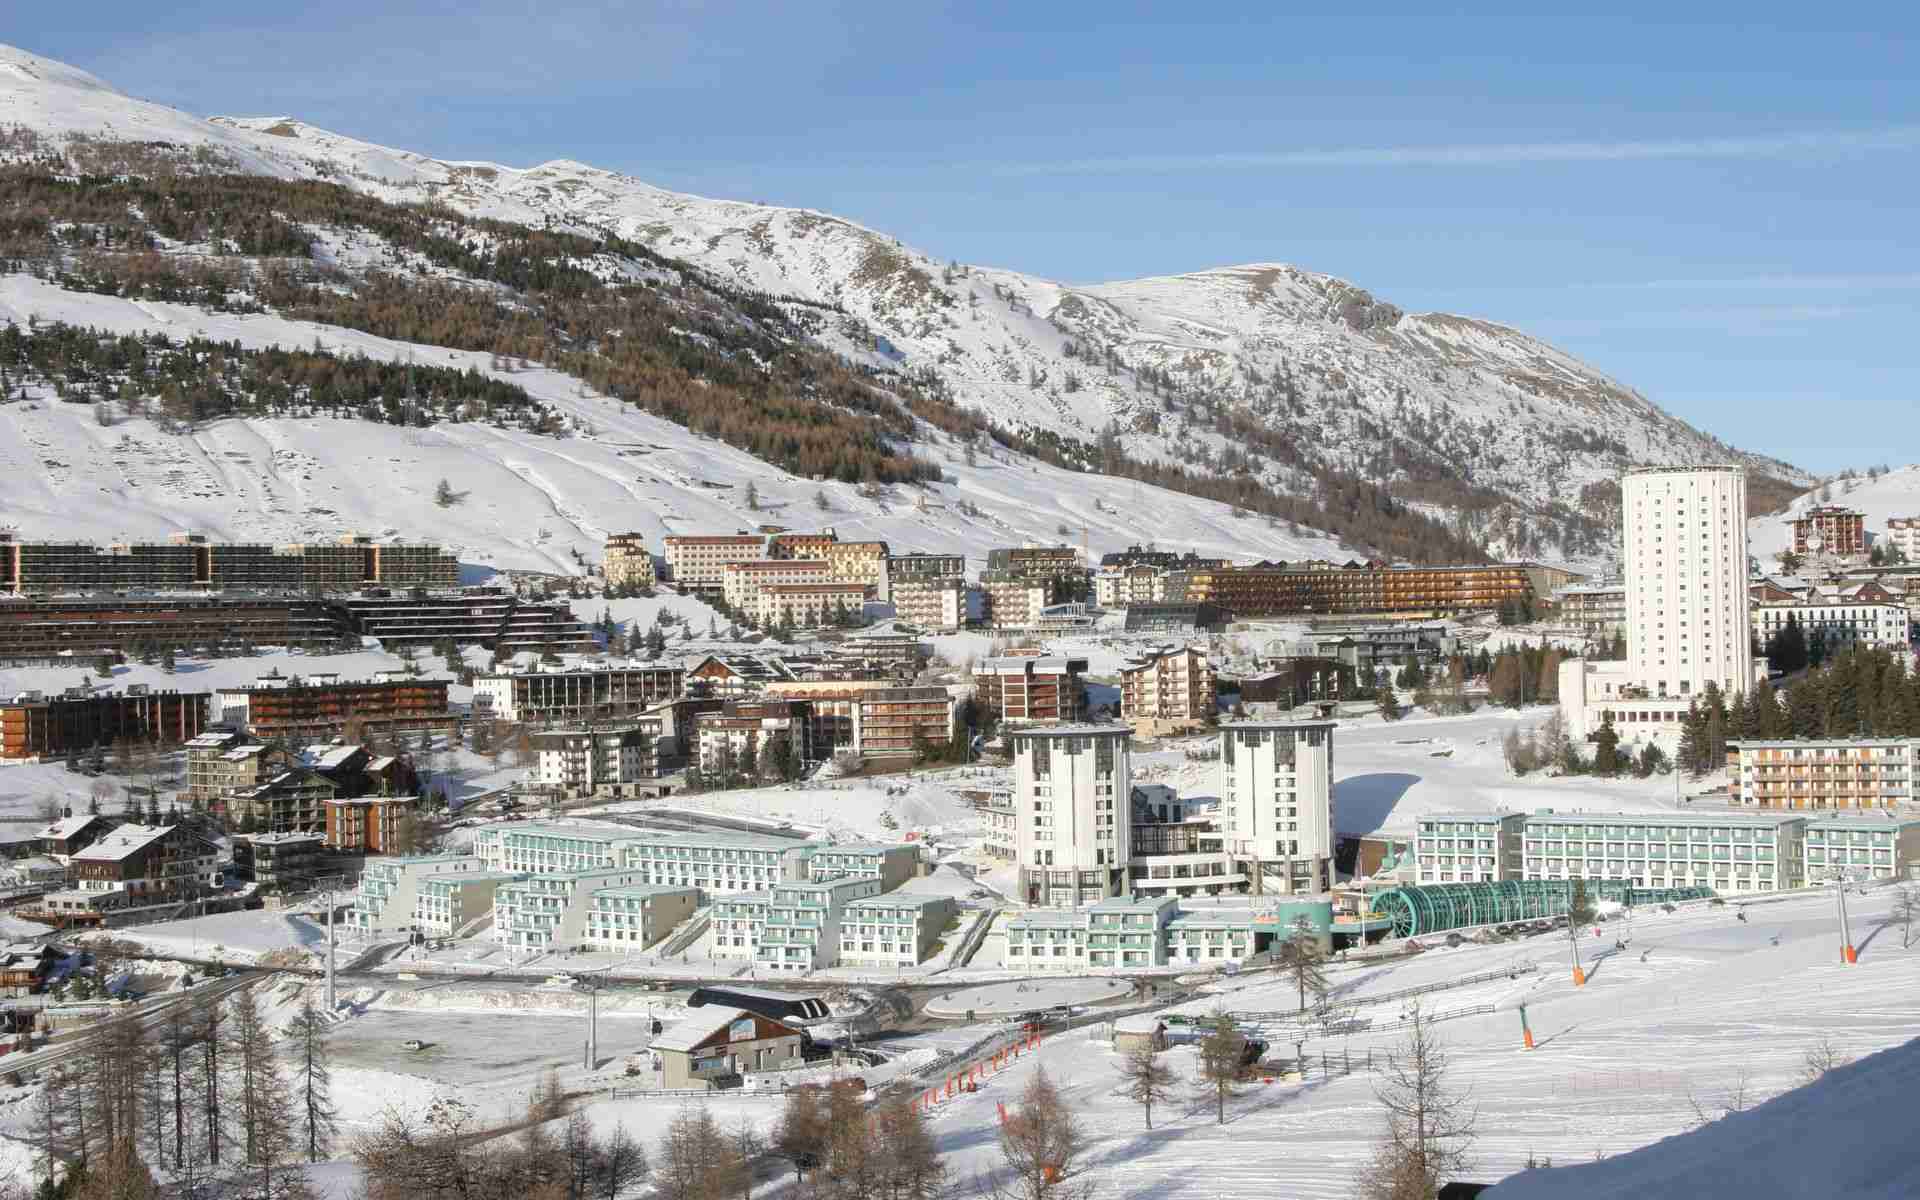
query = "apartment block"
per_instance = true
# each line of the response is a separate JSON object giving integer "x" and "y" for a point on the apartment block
{"x": 1728, "y": 852}
{"x": 946, "y": 604}
{"x": 189, "y": 561}
{"x": 46, "y": 728}
{"x": 892, "y": 643}
{"x": 1213, "y": 935}
{"x": 743, "y": 733}
{"x": 1272, "y": 590}
{"x": 1003, "y": 820}
{"x": 810, "y": 605}
{"x": 740, "y": 582}
{"x": 1042, "y": 689}
{"x": 801, "y": 931}
{"x": 1116, "y": 931}
{"x": 1903, "y": 534}
{"x": 586, "y": 762}
{"x": 925, "y": 566}
{"x": 294, "y": 708}
{"x": 367, "y": 824}
{"x": 551, "y": 910}
{"x": 897, "y": 929}
{"x": 1830, "y": 529}
{"x": 627, "y": 562}
{"x": 547, "y": 697}
{"x": 635, "y": 916}
{"x": 1863, "y": 847}
{"x": 389, "y": 891}
{"x": 872, "y": 718}
{"x": 489, "y": 617}
{"x": 132, "y": 867}
{"x": 892, "y": 864}
{"x": 1825, "y": 773}
{"x": 1597, "y": 610}
{"x": 794, "y": 544}
{"x": 1136, "y": 583}
{"x": 1064, "y": 562}
{"x": 292, "y": 799}
{"x": 540, "y": 847}
{"x": 1278, "y": 803}
{"x": 449, "y": 902}
{"x": 283, "y": 861}
{"x": 696, "y": 562}
{"x": 1072, "y": 791}
{"x": 716, "y": 863}
{"x": 1013, "y": 600}
{"x": 1167, "y": 691}
{"x": 738, "y": 919}
{"x": 1464, "y": 847}
{"x": 60, "y": 629}
{"x": 1838, "y": 623}
{"x": 852, "y": 562}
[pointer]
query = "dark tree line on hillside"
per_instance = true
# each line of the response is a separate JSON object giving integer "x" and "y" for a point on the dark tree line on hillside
{"x": 733, "y": 364}
{"x": 198, "y": 379}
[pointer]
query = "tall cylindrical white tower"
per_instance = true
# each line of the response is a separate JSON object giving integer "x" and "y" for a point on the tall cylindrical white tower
{"x": 1688, "y": 617}
{"x": 1073, "y": 804}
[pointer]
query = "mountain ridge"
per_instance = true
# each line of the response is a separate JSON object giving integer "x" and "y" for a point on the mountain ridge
{"x": 1266, "y": 370}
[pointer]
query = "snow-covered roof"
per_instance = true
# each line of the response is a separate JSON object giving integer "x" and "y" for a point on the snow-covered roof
{"x": 699, "y": 1025}
{"x": 123, "y": 842}
{"x": 325, "y": 758}
{"x": 1139, "y": 1023}
{"x": 66, "y": 827}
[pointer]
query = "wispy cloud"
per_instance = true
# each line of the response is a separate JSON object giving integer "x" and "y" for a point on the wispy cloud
{"x": 1903, "y": 281}
{"x": 1784, "y": 145}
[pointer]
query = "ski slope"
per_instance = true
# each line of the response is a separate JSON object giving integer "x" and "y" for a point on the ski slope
{"x": 1618, "y": 1064}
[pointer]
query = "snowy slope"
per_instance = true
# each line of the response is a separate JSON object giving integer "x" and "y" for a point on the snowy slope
{"x": 1843, "y": 1137}
{"x": 1347, "y": 381}
{"x": 1894, "y": 494}
{"x": 531, "y": 502}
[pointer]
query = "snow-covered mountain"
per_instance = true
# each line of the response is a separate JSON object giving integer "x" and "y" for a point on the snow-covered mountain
{"x": 529, "y": 503}
{"x": 1269, "y": 369}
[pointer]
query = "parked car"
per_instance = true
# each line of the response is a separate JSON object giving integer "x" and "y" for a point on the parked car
{"x": 413, "y": 1044}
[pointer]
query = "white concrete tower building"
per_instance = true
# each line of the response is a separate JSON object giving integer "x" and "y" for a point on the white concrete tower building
{"x": 1072, "y": 795}
{"x": 1278, "y": 798}
{"x": 1688, "y": 618}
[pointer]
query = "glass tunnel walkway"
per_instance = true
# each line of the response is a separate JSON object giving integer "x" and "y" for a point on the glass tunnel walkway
{"x": 1433, "y": 908}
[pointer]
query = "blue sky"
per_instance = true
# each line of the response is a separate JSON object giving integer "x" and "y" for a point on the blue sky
{"x": 1714, "y": 203}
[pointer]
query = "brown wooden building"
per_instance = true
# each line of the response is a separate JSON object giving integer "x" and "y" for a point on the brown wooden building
{"x": 303, "y": 709}
{"x": 50, "y": 727}
{"x": 1268, "y": 589}
{"x": 367, "y": 824}
{"x": 39, "y": 630}
{"x": 1042, "y": 688}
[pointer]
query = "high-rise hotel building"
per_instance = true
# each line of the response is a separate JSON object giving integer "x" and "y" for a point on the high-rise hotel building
{"x": 1072, "y": 791}
{"x": 1688, "y": 618}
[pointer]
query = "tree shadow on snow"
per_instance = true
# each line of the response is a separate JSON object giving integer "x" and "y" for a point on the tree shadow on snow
{"x": 1362, "y": 803}
{"x": 1868, "y": 940}
{"x": 1543, "y": 1043}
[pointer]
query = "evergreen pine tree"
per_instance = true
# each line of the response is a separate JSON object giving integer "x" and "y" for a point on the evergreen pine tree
{"x": 1606, "y": 747}
{"x": 1687, "y": 755}
{"x": 1389, "y": 704}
